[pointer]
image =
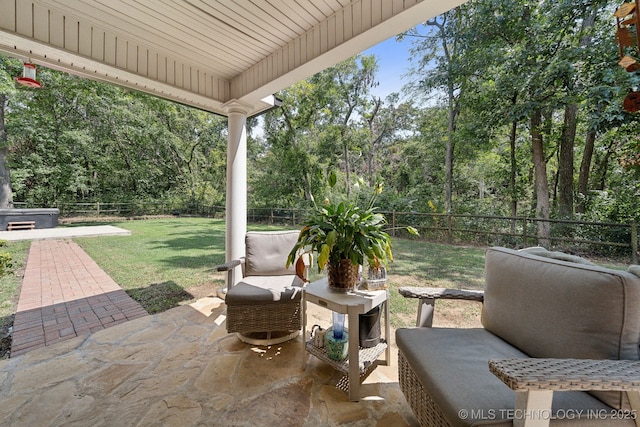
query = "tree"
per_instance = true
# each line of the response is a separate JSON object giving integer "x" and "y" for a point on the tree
{"x": 443, "y": 69}
{"x": 8, "y": 68}
{"x": 78, "y": 139}
{"x": 322, "y": 122}
{"x": 353, "y": 78}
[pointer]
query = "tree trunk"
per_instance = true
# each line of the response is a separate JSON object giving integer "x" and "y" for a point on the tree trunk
{"x": 585, "y": 168}
{"x": 448, "y": 161}
{"x": 541, "y": 183}
{"x": 373, "y": 138}
{"x": 585, "y": 163}
{"x": 6, "y": 194}
{"x": 513, "y": 174}
{"x": 565, "y": 167}
{"x": 602, "y": 166}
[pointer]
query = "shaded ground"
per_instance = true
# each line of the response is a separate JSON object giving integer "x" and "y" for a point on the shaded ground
{"x": 154, "y": 299}
{"x": 160, "y": 297}
{"x": 182, "y": 368}
{"x": 6, "y": 323}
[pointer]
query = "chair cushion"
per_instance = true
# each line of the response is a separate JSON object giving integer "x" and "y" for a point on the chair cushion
{"x": 267, "y": 252}
{"x": 452, "y": 366}
{"x": 265, "y": 289}
{"x": 551, "y": 308}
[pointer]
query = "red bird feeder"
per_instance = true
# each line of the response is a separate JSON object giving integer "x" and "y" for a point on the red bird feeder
{"x": 28, "y": 78}
{"x": 632, "y": 102}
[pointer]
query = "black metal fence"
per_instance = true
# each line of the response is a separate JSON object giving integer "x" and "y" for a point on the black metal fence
{"x": 597, "y": 238}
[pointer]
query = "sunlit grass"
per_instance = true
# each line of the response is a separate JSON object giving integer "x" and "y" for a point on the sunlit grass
{"x": 169, "y": 261}
{"x": 426, "y": 264}
{"x": 164, "y": 259}
{"x": 181, "y": 250}
{"x": 165, "y": 262}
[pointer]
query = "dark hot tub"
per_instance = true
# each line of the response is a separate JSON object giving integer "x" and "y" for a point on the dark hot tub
{"x": 43, "y": 217}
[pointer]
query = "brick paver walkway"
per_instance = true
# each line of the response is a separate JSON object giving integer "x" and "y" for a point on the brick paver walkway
{"x": 66, "y": 294}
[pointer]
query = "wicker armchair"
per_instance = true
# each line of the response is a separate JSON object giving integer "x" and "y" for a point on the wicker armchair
{"x": 264, "y": 306}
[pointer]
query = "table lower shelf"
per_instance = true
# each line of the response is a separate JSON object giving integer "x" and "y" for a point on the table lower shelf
{"x": 367, "y": 356}
{"x": 368, "y": 360}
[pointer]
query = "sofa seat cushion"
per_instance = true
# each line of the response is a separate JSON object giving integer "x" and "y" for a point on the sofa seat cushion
{"x": 265, "y": 289}
{"x": 452, "y": 365}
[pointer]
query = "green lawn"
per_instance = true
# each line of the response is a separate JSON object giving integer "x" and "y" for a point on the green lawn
{"x": 164, "y": 262}
{"x": 426, "y": 264}
{"x": 170, "y": 261}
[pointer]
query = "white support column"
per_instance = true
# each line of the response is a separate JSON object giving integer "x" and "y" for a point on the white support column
{"x": 634, "y": 400}
{"x": 236, "y": 204}
{"x": 533, "y": 408}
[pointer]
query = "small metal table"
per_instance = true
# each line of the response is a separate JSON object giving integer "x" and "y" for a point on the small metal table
{"x": 360, "y": 362}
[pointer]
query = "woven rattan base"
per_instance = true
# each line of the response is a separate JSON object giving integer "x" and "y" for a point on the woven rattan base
{"x": 424, "y": 408}
{"x": 280, "y": 316}
{"x": 267, "y": 338}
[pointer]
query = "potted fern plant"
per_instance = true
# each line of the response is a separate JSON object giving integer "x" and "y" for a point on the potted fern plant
{"x": 344, "y": 235}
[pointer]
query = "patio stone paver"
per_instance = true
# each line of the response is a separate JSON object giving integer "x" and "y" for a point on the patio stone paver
{"x": 182, "y": 368}
{"x": 65, "y": 294}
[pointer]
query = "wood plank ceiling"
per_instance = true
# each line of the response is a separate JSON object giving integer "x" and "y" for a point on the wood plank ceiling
{"x": 204, "y": 53}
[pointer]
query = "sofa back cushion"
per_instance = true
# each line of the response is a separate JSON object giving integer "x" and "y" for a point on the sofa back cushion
{"x": 267, "y": 252}
{"x": 551, "y": 308}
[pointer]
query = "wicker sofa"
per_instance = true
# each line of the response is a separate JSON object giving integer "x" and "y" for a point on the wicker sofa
{"x": 548, "y": 325}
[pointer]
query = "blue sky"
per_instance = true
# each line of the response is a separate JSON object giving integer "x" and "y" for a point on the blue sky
{"x": 393, "y": 65}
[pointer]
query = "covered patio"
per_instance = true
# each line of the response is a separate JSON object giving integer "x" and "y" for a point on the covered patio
{"x": 181, "y": 367}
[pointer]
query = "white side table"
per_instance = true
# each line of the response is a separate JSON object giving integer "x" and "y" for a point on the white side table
{"x": 360, "y": 361}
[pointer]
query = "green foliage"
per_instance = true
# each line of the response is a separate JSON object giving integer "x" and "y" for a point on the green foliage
{"x": 326, "y": 122}
{"x": 10, "y": 282}
{"x": 344, "y": 230}
{"x": 6, "y": 262}
{"x": 79, "y": 140}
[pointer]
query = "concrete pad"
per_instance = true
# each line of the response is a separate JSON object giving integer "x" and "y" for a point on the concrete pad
{"x": 63, "y": 233}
